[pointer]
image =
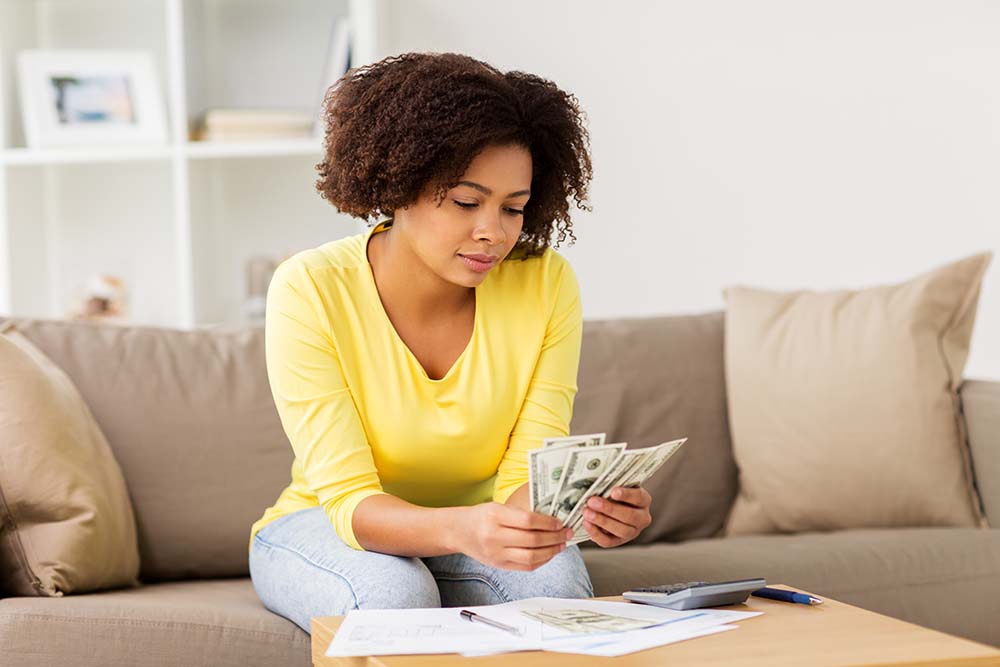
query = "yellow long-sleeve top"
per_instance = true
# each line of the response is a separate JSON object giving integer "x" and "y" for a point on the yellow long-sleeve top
{"x": 361, "y": 413}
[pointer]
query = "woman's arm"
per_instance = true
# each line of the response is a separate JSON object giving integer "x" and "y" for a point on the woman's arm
{"x": 520, "y": 498}
{"x": 392, "y": 525}
{"x": 504, "y": 536}
{"x": 314, "y": 403}
{"x": 548, "y": 404}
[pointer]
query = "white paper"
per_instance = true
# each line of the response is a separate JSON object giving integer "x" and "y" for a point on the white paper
{"x": 443, "y": 630}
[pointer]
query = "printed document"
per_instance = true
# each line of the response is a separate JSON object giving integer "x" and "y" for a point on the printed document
{"x": 591, "y": 627}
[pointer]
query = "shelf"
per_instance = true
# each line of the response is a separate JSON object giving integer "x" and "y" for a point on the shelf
{"x": 195, "y": 150}
{"x": 42, "y": 156}
{"x": 178, "y": 220}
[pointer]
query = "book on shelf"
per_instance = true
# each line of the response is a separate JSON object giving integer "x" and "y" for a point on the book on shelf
{"x": 241, "y": 124}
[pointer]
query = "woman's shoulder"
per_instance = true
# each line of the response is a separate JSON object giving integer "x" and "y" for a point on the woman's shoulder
{"x": 546, "y": 270}
{"x": 343, "y": 254}
{"x": 535, "y": 287}
{"x": 548, "y": 260}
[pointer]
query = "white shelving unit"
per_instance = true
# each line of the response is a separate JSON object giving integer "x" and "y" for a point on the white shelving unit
{"x": 176, "y": 221}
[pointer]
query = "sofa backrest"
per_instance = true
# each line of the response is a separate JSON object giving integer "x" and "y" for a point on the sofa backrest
{"x": 649, "y": 380}
{"x": 190, "y": 418}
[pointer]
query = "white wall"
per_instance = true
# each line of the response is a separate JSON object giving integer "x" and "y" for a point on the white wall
{"x": 781, "y": 144}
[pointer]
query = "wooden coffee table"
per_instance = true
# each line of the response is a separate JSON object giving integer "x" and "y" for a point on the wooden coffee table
{"x": 832, "y": 633}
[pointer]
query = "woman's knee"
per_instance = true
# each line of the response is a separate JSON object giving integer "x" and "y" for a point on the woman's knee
{"x": 300, "y": 568}
{"x": 292, "y": 585}
{"x": 465, "y": 581}
{"x": 398, "y": 583}
{"x": 565, "y": 576}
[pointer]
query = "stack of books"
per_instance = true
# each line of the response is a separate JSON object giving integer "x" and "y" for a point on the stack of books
{"x": 251, "y": 124}
{"x": 227, "y": 124}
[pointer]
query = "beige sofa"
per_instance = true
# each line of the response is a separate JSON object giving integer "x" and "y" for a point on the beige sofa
{"x": 191, "y": 421}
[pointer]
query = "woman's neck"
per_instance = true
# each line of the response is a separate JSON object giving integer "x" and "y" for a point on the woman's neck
{"x": 403, "y": 280}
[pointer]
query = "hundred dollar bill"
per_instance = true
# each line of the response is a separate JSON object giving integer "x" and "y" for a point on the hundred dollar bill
{"x": 652, "y": 463}
{"x": 545, "y": 466}
{"x": 619, "y": 469}
{"x": 587, "y": 440}
{"x": 645, "y": 462}
{"x": 586, "y": 621}
{"x": 581, "y": 470}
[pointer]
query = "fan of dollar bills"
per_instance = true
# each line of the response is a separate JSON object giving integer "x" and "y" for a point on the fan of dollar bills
{"x": 567, "y": 471}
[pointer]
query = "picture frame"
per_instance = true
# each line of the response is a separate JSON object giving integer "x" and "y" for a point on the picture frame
{"x": 90, "y": 97}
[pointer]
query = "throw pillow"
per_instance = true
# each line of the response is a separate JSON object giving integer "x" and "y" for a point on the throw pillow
{"x": 843, "y": 405}
{"x": 66, "y": 523}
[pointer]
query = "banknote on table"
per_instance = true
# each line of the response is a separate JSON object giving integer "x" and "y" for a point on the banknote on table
{"x": 585, "y": 621}
{"x": 545, "y": 466}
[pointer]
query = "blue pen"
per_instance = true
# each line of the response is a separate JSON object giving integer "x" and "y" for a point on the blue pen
{"x": 785, "y": 596}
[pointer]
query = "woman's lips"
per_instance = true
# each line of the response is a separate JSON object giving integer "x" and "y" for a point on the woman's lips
{"x": 478, "y": 265}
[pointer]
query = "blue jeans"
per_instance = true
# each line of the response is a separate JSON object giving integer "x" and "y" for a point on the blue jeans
{"x": 301, "y": 568}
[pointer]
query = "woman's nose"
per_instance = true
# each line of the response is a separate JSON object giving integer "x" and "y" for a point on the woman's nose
{"x": 491, "y": 229}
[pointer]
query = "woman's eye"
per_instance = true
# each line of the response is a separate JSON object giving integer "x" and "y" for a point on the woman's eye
{"x": 512, "y": 211}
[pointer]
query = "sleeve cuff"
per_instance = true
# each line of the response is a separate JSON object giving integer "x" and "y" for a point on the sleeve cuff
{"x": 500, "y": 495}
{"x": 345, "y": 514}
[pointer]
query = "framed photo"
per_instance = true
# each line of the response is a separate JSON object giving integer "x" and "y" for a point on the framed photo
{"x": 86, "y": 98}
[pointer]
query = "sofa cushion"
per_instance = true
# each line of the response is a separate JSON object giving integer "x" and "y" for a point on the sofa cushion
{"x": 844, "y": 405}
{"x": 66, "y": 523}
{"x": 208, "y": 622}
{"x": 942, "y": 578}
{"x": 649, "y": 380}
{"x": 191, "y": 420}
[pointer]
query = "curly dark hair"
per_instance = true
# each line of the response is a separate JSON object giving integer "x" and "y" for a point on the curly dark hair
{"x": 416, "y": 120}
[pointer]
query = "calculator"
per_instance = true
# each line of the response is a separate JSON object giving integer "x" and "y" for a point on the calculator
{"x": 696, "y": 594}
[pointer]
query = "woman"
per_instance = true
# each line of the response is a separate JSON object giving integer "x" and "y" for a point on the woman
{"x": 414, "y": 365}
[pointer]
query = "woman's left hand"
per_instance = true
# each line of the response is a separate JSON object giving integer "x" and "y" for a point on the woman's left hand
{"x": 618, "y": 520}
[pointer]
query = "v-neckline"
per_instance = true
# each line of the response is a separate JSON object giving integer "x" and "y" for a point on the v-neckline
{"x": 380, "y": 307}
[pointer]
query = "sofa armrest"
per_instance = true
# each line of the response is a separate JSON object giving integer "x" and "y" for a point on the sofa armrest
{"x": 981, "y": 407}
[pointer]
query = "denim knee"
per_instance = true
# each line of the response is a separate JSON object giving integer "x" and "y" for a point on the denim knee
{"x": 565, "y": 576}
{"x": 399, "y": 583}
{"x": 300, "y": 568}
{"x": 465, "y": 581}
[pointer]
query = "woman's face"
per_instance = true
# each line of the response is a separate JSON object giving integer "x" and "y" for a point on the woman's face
{"x": 481, "y": 217}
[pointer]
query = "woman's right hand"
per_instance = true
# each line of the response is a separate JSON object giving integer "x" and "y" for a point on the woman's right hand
{"x": 510, "y": 538}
